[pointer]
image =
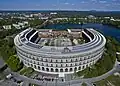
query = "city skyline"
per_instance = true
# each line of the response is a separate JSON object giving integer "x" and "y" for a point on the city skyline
{"x": 78, "y": 5}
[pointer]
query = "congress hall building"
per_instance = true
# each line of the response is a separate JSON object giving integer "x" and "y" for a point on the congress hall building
{"x": 59, "y": 52}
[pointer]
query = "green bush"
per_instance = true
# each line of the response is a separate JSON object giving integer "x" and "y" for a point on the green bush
{"x": 26, "y": 71}
{"x": 14, "y": 63}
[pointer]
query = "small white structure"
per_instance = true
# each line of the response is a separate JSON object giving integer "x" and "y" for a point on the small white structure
{"x": 21, "y": 24}
{"x": 44, "y": 18}
{"x": 118, "y": 53}
{"x": 7, "y": 27}
{"x": 53, "y": 13}
{"x": 9, "y": 76}
{"x": 25, "y": 22}
{"x": 16, "y": 26}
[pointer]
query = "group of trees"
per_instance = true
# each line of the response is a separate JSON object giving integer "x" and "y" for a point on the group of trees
{"x": 27, "y": 71}
{"x": 100, "y": 20}
{"x": 35, "y": 22}
{"x": 113, "y": 23}
{"x": 7, "y": 48}
{"x": 14, "y": 63}
{"x": 106, "y": 63}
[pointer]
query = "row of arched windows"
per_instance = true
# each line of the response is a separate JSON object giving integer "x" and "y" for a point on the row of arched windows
{"x": 58, "y": 60}
{"x": 60, "y": 65}
{"x": 56, "y": 69}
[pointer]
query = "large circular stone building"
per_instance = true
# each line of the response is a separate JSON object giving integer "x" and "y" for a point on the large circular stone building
{"x": 59, "y": 52}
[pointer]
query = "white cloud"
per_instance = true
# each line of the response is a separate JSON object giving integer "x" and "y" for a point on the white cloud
{"x": 83, "y": 2}
{"x": 66, "y": 3}
{"x": 72, "y": 4}
{"x": 102, "y": 1}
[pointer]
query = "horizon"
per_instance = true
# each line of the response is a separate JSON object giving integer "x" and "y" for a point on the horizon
{"x": 61, "y": 10}
{"x": 67, "y": 5}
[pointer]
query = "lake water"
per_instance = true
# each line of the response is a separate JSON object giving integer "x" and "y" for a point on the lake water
{"x": 105, "y": 29}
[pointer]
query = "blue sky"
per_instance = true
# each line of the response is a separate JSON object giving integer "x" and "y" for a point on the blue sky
{"x": 101, "y": 5}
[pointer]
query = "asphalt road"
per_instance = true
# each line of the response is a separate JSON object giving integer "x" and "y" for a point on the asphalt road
{"x": 76, "y": 82}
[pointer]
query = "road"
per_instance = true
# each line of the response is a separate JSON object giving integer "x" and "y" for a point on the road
{"x": 76, "y": 82}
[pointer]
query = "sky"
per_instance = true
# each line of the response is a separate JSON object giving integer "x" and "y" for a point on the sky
{"x": 79, "y": 5}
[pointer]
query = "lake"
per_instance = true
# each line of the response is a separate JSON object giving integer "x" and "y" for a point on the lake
{"x": 105, "y": 29}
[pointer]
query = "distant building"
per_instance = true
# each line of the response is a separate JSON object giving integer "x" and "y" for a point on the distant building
{"x": 7, "y": 27}
{"x": 60, "y": 18}
{"x": 107, "y": 17}
{"x": 91, "y": 17}
{"x": 25, "y": 22}
{"x": 16, "y": 26}
{"x": 44, "y": 18}
{"x": 20, "y": 25}
{"x": 53, "y": 13}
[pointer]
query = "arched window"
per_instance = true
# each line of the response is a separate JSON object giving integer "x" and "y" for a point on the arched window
{"x": 71, "y": 69}
{"x": 52, "y": 70}
{"x": 56, "y": 70}
{"x": 76, "y": 60}
{"x": 66, "y": 60}
{"x": 56, "y": 65}
{"x": 39, "y": 67}
{"x": 56, "y": 61}
{"x": 79, "y": 68}
{"x": 66, "y": 65}
{"x": 66, "y": 70}
{"x": 35, "y": 66}
{"x": 51, "y": 65}
{"x": 31, "y": 65}
{"x": 86, "y": 65}
{"x": 47, "y": 69}
{"x": 61, "y": 70}
{"x": 83, "y": 67}
{"x": 51, "y": 60}
{"x": 75, "y": 64}
{"x": 75, "y": 68}
{"x": 43, "y": 68}
{"x": 71, "y": 65}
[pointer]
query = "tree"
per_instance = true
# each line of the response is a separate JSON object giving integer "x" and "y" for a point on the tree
{"x": 14, "y": 63}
